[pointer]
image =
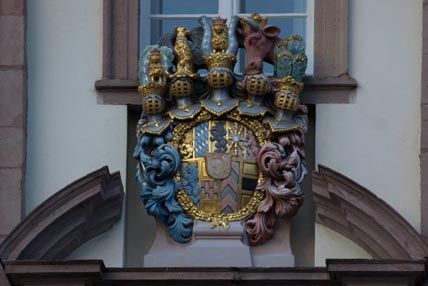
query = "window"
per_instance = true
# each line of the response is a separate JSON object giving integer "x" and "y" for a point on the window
{"x": 327, "y": 48}
{"x": 292, "y": 16}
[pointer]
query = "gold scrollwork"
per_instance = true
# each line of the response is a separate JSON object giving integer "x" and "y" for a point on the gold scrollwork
{"x": 222, "y": 219}
{"x": 186, "y": 147}
{"x": 180, "y": 139}
{"x": 255, "y": 126}
{"x": 181, "y": 129}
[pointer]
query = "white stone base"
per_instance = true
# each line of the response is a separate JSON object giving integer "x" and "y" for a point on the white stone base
{"x": 220, "y": 248}
{"x": 277, "y": 251}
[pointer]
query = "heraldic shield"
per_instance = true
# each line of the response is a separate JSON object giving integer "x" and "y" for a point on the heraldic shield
{"x": 218, "y": 146}
{"x": 223, "y": 154}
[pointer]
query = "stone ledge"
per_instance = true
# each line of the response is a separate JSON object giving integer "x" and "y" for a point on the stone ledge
{"x": 317, "y": 91}
{"x": 337, "y": 272}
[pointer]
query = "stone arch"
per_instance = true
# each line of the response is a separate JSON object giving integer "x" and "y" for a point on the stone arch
{"x": 353, "y": 211}
{"x": 80, "y": 211}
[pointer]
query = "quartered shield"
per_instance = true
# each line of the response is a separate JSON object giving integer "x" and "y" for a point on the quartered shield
{"x": 221, "y": 155}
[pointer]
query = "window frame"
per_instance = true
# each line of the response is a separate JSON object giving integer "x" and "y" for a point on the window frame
{"x": 330, "y": 82}
{"x": 227, "y": 9}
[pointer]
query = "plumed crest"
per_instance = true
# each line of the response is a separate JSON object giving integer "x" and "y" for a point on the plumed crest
{"x": 290, "y": 58}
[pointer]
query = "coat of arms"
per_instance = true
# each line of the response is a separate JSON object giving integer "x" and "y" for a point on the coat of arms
{"x": 218, "y": 146}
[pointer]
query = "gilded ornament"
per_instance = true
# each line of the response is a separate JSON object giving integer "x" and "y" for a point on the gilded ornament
{"x": 153, "y": 91}
{"x": 183, "y": 52}
{"x": 219, "y": 60}
{"x": 286, "y": 100}
{"x": 160, "y": 88}
{"x": 155, "y": 66}
{"x": 222, "y": 147}
{"x": 257, "y": 84}
{"x": 219, "y": 40}
{"x": 254, "y": 18}
{"x": 290, "y": 84}
{"x": 220, "y": 219}
{"x": 181, "y": 88}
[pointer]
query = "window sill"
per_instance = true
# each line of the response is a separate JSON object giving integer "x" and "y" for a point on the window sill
{"x": 317, "y": 91}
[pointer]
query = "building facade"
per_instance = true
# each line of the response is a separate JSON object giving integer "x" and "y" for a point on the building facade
{"x": 69, "y": 106}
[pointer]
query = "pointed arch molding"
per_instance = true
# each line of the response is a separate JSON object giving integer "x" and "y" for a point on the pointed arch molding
{"x": 358, "y": 214}
{"x": 66, "y": 220}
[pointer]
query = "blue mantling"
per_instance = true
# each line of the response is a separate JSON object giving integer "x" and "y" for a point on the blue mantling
{"x": 157, "y": 166}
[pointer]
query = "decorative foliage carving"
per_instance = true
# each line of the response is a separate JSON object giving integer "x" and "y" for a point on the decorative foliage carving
{"x": 224, "y": 147}
{"x": 158, "y": 165}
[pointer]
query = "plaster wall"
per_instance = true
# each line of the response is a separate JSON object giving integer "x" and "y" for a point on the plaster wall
{"x": 375, "y": 141}
{"x": 69, "y": 133}
{"x": 334, "y": 245}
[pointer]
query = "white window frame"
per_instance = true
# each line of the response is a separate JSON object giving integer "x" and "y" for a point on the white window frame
{"x": 226, "y": 9}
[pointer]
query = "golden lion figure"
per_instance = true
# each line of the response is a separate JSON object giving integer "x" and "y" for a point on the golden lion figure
{"x": 155, "y": 66}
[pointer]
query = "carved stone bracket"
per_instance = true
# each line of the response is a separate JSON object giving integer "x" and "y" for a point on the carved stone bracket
{"x": 66, "y": 220}
{"x": 355, "y": 212}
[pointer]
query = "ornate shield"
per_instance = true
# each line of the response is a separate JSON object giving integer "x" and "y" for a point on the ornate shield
{"x": 223, "y": 155}
{"x": 220, "y": 146}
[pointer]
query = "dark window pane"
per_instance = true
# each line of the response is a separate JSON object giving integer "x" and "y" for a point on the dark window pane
{"x": 289, "y": 26}
{"x": 183, "y": 6}
{"x": 160, "y": 27}
{"x": 272, "y": 6}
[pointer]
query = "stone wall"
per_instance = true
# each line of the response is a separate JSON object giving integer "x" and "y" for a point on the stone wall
{"x": 13, "y": 114}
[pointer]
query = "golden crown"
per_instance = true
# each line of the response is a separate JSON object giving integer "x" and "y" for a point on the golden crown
{"x": 216, "y": 60}
{"x": 256, "y": 18}
{"x": 290, "y": 84}
{"x": 152, "y": 87}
